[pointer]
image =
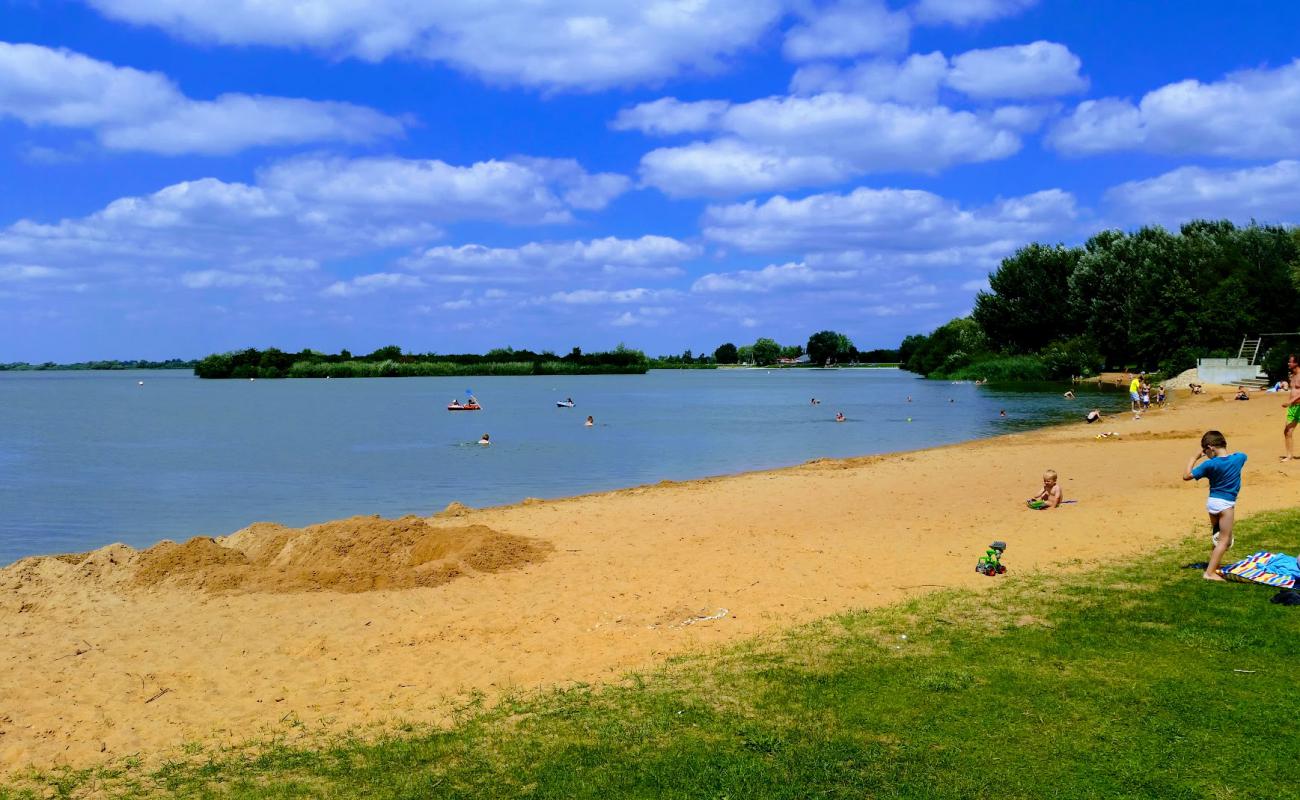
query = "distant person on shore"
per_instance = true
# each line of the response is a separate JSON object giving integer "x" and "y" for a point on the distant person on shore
{"x": 1224, "y": 473}
{"x": 1196, "y": 388}
{"x": 839, "y": 416}
{"x": 1160, "y": 395}
{"x": 1051, "y": 495}
{"x": 1242, "y": 394}
{"x": 1135, "y": 399}
{"x": 1292, "y": 407}
{"x": 591, "y": 422}
{"x": 1144, "y": 393}
{"x": 486, "y": 440}
{"x": 1092, "y": 416}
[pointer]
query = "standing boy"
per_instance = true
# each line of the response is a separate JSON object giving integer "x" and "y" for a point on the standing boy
{"x": 1224, "y": 472}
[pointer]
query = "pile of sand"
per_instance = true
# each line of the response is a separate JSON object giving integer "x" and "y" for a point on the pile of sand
{"x": 352, "y": 555}
{"x": 1183, "y": 379}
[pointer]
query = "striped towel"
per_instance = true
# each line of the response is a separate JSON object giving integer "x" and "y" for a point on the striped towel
{"x": 1270, "y": 569}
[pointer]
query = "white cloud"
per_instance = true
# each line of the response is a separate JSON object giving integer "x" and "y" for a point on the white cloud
{"x": 374, "y": 282}
{"x": 553, "y": 44}
{"x": 298, "y": 214}
{"x": 522, "y": 190}
{"x": 648, "y": 255}
{"x": 915, "y": 80}
{"x": 786, "y": 142}
{"x": 1248, "y": 114}
{"x": 773, "y": 276}
{"x": 1037, "y": 69}
{"x": 585, "y": 297}
{"x": 968, "y": 12}
{"x": 1267, "y": 194}
{"x": 887, "y": 219}
{"x": 668, "y": 115}
{"x": 128, "y": 109}
{"x": 646, "y": 316}
{"x": 225, "y": 279}
{"x": 27, "y": 272}
{"x": 579, "y": 188}
{"x": 848, "y": 28}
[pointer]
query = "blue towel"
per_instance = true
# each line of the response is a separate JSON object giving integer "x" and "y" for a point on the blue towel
{"x": 1282, "y": 564}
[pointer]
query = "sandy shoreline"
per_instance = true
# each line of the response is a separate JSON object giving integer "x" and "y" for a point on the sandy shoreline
{"x": 99, "y": 666}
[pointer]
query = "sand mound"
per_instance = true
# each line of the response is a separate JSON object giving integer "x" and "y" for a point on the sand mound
{"x": 352, "y": 555}
{"x": 1183, "y": 379}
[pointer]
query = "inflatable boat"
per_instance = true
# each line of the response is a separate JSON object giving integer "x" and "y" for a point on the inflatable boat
{"x": 468, "y": 407}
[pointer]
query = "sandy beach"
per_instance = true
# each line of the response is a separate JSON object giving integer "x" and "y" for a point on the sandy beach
{"x": 358, "y": 623}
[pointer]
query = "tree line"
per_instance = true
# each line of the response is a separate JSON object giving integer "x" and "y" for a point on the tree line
{"x": 111, "y": 364}
{"x": 390, "y": 361}
{"x": 823, "y": 348}
{"x": 1152, "y": 299}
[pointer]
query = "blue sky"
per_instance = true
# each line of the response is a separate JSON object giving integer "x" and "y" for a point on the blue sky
{"x": 182, "y": 178}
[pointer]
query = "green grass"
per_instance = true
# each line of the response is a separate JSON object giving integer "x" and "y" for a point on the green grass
{"x": 1134, "y": 681}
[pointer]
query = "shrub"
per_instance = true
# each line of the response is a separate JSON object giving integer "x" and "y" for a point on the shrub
{"x": 1001, "y": 369}
{"x": 1075, "y": 356}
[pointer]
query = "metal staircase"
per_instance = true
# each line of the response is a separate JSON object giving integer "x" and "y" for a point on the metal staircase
{"x": 1249, "y": 349}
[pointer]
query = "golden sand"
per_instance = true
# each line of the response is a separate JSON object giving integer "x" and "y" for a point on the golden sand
{"x": 118, "y": 652}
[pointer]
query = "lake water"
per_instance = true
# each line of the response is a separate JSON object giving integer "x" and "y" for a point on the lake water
{"x": 89, "y": 458}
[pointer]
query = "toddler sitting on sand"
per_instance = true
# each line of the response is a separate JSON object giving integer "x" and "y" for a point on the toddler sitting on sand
{"x": 1224, "y": 471}
{"x": 1051, "y": 496}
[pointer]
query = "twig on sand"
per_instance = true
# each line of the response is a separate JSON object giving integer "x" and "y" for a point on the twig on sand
{"x": 157, "y": 694}
{"x": 78, "y": 651}
{"x": 722, "y": 612}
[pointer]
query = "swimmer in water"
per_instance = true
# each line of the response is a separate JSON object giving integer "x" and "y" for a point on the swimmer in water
{"x": 590, "y": 422}
{"x": 485, "y": 440}
{"x": 839, "y": 416}
{"x": 1003, "y": 413}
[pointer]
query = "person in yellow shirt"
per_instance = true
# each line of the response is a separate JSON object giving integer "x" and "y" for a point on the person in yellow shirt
{"x": 1134, "y": 398}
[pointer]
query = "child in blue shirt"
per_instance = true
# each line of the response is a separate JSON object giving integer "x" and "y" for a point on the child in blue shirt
{"x": 1224, "y": 473}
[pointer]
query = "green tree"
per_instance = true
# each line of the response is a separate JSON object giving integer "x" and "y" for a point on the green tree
{"x": 1028, "y": 302}
{"x": 766, "y": 351}
{"x": 824, "y": 346}
{"x": 388, "y": 353}
{"x": 725, "y": 354}
{"x": 952, "y": 346}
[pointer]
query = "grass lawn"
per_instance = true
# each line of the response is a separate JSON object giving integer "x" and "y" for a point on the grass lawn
{"x": 1131, "y": 681}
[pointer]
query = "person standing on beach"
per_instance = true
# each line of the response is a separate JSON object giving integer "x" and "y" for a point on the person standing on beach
{"x": 1135, "y": 400}
{"x": 1224, "y": 472}
{"x": 1292, "y": 407}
